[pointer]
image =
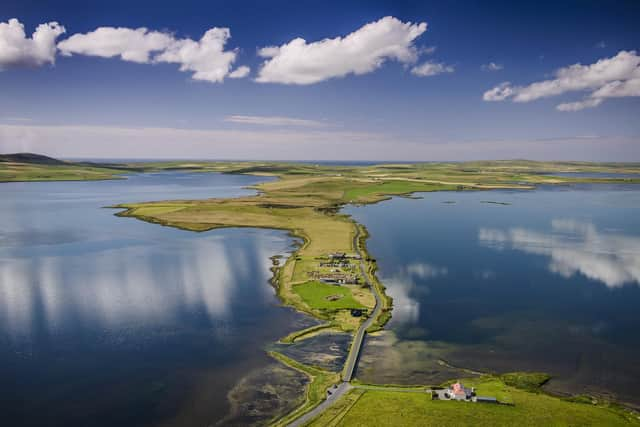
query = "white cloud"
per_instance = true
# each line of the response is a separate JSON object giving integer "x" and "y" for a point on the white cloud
{"x": 272, "y": 121}
{"x": 615, "y": 77}
{"x": 430, "y": 68}
{"x": 579, "y": 105}
{"x": 205, "y": 58}
{"x": 492, "y": 66}
{"x": 498, "y": 93}
{"x": 17, "y": 49}
{"x": 619, "y": 89}
{"x": 240, "y": 72}
{"x": 575, "y": 247}
{"x": 360, "y": 52}
{"x": 108, "y": 42}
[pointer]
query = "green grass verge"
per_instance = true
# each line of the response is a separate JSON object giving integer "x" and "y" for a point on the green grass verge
{"x": 334, "y": 414}
{"x": 293, "y": 336}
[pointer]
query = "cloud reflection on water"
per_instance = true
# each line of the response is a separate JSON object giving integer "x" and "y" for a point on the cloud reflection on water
{"x": 575, "y": 247}
{"x": 401, "y": 286}
{"x": 134, "y": 285}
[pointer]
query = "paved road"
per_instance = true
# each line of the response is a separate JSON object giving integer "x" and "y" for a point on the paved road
{"x": 336, "y": 394}
{"x": 356, "y": 346}
{"x": 354, "y": 353}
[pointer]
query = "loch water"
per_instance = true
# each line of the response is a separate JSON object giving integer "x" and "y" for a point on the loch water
{"x": 109, "y": 321}
{"x": 500, "y": 281}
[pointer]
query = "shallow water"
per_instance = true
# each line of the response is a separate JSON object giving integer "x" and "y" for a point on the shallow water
{"x": 113, "y": 321}
{"x": 544, "y": 280}
{"x": 327, "y": 350}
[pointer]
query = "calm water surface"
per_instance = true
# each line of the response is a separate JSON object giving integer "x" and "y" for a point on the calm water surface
{"x": 549, "y": 281}
{"x": 113, "y": 321}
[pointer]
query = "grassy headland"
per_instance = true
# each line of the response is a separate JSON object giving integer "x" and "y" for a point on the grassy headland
{"x": 306, "y": 200}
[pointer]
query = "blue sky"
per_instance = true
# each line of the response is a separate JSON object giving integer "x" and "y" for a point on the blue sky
{"x": 87, "y": 105}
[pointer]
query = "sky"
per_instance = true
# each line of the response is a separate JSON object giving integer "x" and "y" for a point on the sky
{"x": 331, "y": 80}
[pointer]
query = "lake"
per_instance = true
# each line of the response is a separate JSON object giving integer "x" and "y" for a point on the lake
{"x": 113, "y": 321}
{"x": 545, "y": 280}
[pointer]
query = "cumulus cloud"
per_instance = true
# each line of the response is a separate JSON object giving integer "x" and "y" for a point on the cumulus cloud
{"x": 492, "y": 66}
{"x": 205, "y": 58}
{"x": 615, "y": 77}
{"x": 272, "y": 121}
{"x": 575, "y": 247}
{"x": 430, "y": 68}
{"x": 16, "y": 49}
{"x": 135, "y": 45}
{"x": 240, "y": 72}
{"x": 498, "y": 93}
{"x": 360, "y": 52}
{"x": 579, "y": 105}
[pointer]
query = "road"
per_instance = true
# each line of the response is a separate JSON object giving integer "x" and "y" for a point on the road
{"x": 356, "y": 345}
{"x": 335, "y": 395}
{"x": 354, "y": 353}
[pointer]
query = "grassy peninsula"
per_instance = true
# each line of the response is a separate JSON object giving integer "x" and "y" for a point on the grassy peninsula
{"x": 331, "y": 276}
{"x": 306, "y": 200}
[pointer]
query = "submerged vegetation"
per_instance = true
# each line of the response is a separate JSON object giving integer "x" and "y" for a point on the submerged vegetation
{"x": 320, "y": 381}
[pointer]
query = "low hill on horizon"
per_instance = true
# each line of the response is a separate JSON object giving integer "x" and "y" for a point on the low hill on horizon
{"x": 39, "y": 159}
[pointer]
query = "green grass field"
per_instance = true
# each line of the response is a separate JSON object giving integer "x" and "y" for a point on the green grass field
{"x": 394, "y": 408}
{"x": 316, "y": 295}
{"x": 390, "y": 187}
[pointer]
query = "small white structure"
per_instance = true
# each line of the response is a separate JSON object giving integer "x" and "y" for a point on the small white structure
{"x": 457, "y": 391}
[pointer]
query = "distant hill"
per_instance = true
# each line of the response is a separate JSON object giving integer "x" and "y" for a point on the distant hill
{"x": 38, "y": 159}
